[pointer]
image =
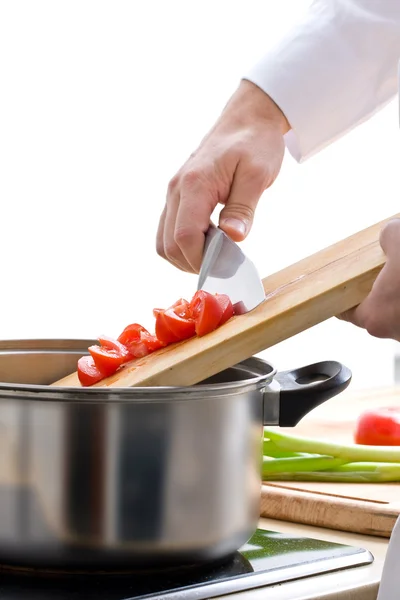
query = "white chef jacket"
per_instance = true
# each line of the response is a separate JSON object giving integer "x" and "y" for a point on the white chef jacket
{"x": 333, "y": 70}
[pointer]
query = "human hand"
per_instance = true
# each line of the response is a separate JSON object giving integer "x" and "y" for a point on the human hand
{"x": 237, "y": 160}
{"x": 379, "y": 313}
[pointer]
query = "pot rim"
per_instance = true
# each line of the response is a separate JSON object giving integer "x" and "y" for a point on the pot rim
{"x": 263, "y": 371}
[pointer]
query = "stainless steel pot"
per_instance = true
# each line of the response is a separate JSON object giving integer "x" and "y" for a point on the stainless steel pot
{"x": 96, "y": 478}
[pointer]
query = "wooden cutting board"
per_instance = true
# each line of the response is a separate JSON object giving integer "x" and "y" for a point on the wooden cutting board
{"x": 298, "y": 297}
{"x": 370, "y": 509}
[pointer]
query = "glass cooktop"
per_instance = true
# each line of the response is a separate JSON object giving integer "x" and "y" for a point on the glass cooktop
{"x": 267, "y": 559}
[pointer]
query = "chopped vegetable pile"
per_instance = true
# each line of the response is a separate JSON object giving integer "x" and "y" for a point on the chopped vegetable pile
{"x": 181, "y": 321}
{"x": 293, "y": 458}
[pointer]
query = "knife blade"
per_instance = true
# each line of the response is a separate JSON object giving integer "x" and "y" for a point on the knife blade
{"x": 225, "y": 269}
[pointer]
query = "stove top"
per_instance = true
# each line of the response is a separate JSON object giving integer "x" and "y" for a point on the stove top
{"x": 268, "y": 558}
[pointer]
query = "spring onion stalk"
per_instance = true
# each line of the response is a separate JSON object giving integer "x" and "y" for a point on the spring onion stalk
{"x": 347, "y": 473}
{"x": 299, "y": 464}
{"x": 272, "y": 450}
{"x": 348, "y": 452}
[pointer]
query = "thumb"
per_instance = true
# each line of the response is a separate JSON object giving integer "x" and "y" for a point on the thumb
{"x": 354, "y": 315}
{"x": 236, "y": 218}
{"x": 390, "y": 237}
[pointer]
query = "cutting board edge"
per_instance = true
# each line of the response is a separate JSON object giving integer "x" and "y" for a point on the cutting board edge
{"x": 329, "y": 511}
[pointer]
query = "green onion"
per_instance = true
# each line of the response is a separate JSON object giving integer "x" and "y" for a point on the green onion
{"x": 271, "y": 449}
{"x": 347, "y": 473}
{"x": 293, "y": 458}
{"x": 299, "y": 463}
{"x": 349, "y": 452}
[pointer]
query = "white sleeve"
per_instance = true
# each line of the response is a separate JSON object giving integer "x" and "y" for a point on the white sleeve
{"x": 333, "y": 71}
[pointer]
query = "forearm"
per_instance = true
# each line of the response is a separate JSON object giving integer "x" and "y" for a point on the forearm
{"x": 333, "y": 71}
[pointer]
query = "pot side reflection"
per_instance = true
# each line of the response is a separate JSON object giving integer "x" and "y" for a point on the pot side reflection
{"x": 174, "y": 479}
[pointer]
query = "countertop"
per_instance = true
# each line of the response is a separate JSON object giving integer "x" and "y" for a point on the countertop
{"x": 359, "y": 583}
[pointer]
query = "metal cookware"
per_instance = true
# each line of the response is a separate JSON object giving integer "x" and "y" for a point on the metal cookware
{"x": 97, "y": 478}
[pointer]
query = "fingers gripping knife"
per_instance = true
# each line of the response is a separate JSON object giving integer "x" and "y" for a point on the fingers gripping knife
{"x": 226, "y": 270}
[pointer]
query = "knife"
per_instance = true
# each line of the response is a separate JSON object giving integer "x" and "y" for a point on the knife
{"x": 225, "y": 269}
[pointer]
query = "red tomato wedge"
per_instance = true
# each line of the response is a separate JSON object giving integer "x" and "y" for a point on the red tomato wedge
{"x": 227, "y": 308}
{"x": 163, "y": 332}
{"x": 175, "y": 323}
{"x": 151, "y": 341}
{"x": 88, "y": 373}
{"x": 139, "y": 341}
{"x": 130, "y": 337}
{"x": 379, "y": 427}
{"x": 206, "y": 311}
{"x": 182, "y": 308}
{"x": 109, "y": 356}
{"x": 181, "y": 327}
{"x": 114, "y": 345}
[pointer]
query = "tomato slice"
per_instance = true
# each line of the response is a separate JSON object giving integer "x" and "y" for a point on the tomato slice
{"x": 227, "y": 308}
{"x": 131, "y": 335}
{"x": 379, "y": 427}
{"x": 182, "y": 308}
{"x": 163, "y": 332}
{"x": 206, "y": 311}
{"x": 88, "y": 373}
{"x": 109, "y": 356}
{"x": 139, "y": 341}
{"x": 116, "y": 345}
{"x": 151, "y": 341}
{"x": 182, "y": 328}
{"x": 175, "y": 323}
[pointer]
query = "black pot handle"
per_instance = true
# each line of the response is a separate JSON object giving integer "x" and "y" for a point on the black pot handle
{"x": 305, "y": 388}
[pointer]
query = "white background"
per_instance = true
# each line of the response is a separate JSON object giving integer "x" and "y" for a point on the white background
{"x": 100, "y": 103}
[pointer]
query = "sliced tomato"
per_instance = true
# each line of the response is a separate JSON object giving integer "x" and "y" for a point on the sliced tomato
{"x": 151, "y": 341}
{"x": 379, "y": 427}
{"x": 109, "y": 356}
{"x": 88, "y": 373}
{"x": 175, "y": 323}
{"x": 206, "y": 311}
{"x": 139, "y": 341}
{"x": 182, "y": 320}
{"x": 111, "y": 344}
{"x": 182, "y": 308}
{"x": 131, "y": 335}
{"x": 182, "y": 328}
{"x": 227, "y": 308}
{"x": 163, "y": 332}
